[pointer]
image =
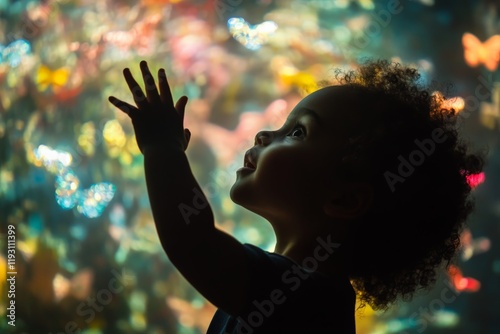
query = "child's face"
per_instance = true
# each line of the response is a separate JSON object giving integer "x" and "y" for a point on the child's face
{"x": 294, "y": 170}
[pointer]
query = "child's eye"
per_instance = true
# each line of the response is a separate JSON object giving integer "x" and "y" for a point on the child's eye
{"x": 298, "y": 127}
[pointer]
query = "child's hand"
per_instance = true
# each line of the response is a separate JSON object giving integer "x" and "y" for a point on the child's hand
{"x": 157, "y": 123}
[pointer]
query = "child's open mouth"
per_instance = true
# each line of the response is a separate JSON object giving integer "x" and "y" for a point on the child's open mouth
{"x": 248, "y": 165}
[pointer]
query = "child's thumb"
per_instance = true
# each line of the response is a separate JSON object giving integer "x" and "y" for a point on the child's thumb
{"x": 181, "y": 105}
{"x": 187, "y": 135}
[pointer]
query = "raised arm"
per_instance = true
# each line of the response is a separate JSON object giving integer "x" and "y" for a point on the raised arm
{"x": 211, "y": 260}
{"x": 180, "y": 209}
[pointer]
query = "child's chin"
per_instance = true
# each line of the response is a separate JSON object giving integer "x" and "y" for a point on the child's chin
{"x": 233, "y": 192}
{"x": 236, "y": 193}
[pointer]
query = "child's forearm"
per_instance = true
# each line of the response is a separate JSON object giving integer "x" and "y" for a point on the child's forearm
{"x": 180, "y": 209}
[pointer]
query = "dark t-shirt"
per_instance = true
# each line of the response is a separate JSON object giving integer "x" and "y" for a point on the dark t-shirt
{"x": 286, "y": 298}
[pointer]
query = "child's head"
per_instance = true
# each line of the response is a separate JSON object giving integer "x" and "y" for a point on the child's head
{"x": 381, "y": 168}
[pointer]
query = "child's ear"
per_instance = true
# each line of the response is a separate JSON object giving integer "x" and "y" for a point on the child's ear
{"x": 350, "y": 201}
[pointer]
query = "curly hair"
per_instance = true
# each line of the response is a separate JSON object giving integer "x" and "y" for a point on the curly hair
{"x": 416, "y": 219}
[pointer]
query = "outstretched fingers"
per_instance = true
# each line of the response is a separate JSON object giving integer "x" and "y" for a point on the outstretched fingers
{"x": 149, "y": 82}
{"x": 165, "y": 93}
{"x": 152, "y": 97}
{"x": 137, "y": 93}
{"x": 180, "y": 106}
{"x": 123, "y": 106}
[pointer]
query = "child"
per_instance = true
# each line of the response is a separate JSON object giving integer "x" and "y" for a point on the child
{"x": 364, "y": 185}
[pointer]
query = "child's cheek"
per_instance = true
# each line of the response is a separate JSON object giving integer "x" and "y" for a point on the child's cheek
{"x": 284, "y": 171}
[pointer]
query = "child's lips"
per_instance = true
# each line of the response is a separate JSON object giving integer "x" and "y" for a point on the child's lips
{"x": 245, "y": 169}
{"x": 249, "y": 165}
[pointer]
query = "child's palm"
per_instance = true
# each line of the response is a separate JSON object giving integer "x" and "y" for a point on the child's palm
{"x": 157, "y": 122}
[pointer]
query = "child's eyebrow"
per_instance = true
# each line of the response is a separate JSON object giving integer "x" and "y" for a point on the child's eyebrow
{"x": 309, "y": 112}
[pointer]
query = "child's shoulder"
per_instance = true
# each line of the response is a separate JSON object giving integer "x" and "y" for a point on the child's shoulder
{"x": 290, "y": 298}
{"x": 292, "y": 276}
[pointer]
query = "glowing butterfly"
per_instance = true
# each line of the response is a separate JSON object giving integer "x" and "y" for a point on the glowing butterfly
{"x": 471, "y": 246}
{"x": 251, "y": 36}
{"x": 477, "y": 53}
{"x": 52, "y": 160}
{"x": 90, "y": 202}
{"x": 304, "y": 81}
{"x": 45, "y": 77}
{"x": 79, "y": 286}
{"x": 461, "y": 283}
{"x": 14, "y": 52}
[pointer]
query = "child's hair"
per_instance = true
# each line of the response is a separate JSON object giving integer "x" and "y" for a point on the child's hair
{"x": 415, "y": 220}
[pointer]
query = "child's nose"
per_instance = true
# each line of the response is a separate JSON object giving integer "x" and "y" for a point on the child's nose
{"x": 262, "y": 138}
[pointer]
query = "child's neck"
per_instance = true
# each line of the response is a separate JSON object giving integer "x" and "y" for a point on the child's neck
{"x": 323, "y": 251}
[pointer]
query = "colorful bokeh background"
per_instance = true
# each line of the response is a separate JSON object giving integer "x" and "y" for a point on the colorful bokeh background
{"x": 88, "y": 259}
